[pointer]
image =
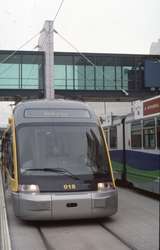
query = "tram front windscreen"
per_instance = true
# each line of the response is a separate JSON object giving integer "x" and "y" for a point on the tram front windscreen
{"x": 77, "y": 148}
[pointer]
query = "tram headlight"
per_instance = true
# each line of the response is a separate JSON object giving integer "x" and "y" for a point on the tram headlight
{"x": 32, "y": 188}
{"x": 102, "y": 186}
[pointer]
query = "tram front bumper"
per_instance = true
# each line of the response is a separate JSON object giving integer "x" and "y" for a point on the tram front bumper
{"x": 69, "y": 205}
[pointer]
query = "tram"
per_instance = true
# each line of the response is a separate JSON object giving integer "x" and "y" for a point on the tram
{"x": 56, "y": 162}
{"x": 140, "y": 158}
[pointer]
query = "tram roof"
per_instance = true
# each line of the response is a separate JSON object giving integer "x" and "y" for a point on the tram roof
{"x": 57, "y": 104}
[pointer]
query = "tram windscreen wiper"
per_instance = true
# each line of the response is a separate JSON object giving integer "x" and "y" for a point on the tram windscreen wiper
{"x": 55, "y": 170}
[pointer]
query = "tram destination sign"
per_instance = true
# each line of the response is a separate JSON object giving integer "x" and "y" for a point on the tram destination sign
{"x": 56, "y": 113}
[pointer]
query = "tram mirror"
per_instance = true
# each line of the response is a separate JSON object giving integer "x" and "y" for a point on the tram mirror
{"x": 101, "y": 119}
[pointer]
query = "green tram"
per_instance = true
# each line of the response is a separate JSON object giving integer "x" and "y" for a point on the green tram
{"x": 139, "y": 160}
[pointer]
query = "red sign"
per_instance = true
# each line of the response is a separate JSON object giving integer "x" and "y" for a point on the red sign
{"x": 151, "y": 106}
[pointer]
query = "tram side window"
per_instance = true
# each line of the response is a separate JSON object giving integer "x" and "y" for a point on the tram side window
{"x": 158, "y": 132}
{"x": 113, "y": 137}
{"x": 136, "y": 135}
{"x": 149, "y": 140}
{"x": 9, "y": 154}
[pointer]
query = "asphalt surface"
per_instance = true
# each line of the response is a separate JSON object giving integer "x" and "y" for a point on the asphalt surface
{"x": 135, "y": 226}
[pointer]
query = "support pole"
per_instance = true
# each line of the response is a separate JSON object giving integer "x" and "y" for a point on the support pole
{"x": 124, "y": 171}
{"x": 45, "y": 44}
{"x": 123, "y": 182}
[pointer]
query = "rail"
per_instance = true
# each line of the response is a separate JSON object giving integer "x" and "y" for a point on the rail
{"x": 5, "y": 241}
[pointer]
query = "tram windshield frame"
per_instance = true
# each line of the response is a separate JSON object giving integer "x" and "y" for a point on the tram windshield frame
{"x": 78, "y": 148}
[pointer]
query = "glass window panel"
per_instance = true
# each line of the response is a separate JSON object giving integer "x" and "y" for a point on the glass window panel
{"x": 69, "y": 84}
{"x": 127, "y": 76}
{"x": 149, "y": 140}
{"x": 89, "y": 84}
{"x": 99, "y": 73}
{"x": 113, "y": 137}
{"x": 32, "y": 71}
{"x": 30, "y": 76}
{"x": 70, "y": 77}
{"x": 99, "y": 84}
{"x": 59, "y": 84}
{"x": 89, "y": 72}
{"x": 79, "y": 84}
{"x": 136, "y": 135}
{"x": 118, "y": 77}
{"x": 9, "y": 75}
{"x": 79, "y": 71}
{"x": 59, "y": 72}
{"x": 99, "y": 77}
{"x": 149, "y": 123}
{"x": 69, "y": 72}
{"x": 109, "y": 77}
{"x": 89, "y": 77}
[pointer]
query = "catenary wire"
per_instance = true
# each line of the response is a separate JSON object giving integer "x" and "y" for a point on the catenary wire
{"x": 58, "y": 11}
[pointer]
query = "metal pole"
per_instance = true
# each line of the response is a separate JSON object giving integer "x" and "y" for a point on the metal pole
{"x": 46, "y": 44}
{"x": 124, "y": 171}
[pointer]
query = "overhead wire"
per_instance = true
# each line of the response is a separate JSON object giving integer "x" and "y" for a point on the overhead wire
{"x": 58, "y": 11}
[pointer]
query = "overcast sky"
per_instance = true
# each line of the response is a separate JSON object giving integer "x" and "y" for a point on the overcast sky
{"x": 120, "y": 26}
{"x": 103, "y": 26}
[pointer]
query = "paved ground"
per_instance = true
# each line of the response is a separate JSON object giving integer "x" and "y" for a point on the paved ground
{"x": 135, "y": 226}
{"x": 137, "y": 220}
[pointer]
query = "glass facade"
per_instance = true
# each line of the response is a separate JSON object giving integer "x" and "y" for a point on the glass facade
{"x": 99, "y": 71}
{"x": 21, "y": 71}
{"x": 72, "y": 71}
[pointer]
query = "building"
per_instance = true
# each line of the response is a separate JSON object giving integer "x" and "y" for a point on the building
{"x": 155, "y": 48}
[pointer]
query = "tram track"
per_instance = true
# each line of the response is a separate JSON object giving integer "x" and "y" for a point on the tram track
{"x": 127, "y": 244}
{"x": 44, "y": 240}
{"x": 49, "y": 245}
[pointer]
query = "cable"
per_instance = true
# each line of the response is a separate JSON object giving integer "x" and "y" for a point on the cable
{"x": 86, "y": 58}
{"x": 13, "y": 53}
{"x": 58, "y": 11}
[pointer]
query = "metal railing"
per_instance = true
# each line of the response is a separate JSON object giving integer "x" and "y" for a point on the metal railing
{"x": 5, "y": 241}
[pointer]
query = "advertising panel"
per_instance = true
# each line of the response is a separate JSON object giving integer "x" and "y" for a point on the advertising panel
{"x": 151, "y": 106}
